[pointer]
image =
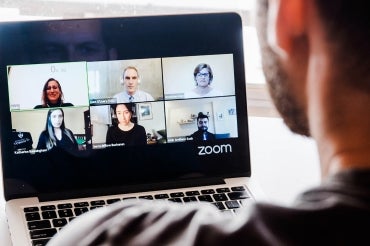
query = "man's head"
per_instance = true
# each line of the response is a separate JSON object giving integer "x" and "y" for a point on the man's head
{"x": 202, "y": 122}
{"x": 69, "y": 40}
{"x": 131, "y": 80}
{"x": 291, "y": 42}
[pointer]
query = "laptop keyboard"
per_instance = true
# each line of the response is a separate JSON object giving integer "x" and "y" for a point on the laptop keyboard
{"x": 44, "y": 221}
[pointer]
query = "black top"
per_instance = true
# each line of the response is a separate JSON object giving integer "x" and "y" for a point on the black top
{"x": 50, "y": 105}
{"x": 135, "y": 136}
{"x": 65, "y": 143}
{"x": 202, "y": 136}
{"x": 335, "y": 213}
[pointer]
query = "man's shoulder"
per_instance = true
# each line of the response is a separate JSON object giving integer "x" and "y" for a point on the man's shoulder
{"x": 118, "y": 95}
{"x": 143, "y": 95}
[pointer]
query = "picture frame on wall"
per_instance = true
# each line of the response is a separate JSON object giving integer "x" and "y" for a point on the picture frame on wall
{"x": 145, "y": 111}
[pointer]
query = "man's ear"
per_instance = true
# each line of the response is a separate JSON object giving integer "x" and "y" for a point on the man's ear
{"x": 286, "y": 21}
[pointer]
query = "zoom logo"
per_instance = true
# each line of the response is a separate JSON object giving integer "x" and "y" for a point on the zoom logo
{"x": 215, "y": 149}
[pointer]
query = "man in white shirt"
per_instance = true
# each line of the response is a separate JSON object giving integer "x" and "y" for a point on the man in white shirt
{"x": 131, "y": 93}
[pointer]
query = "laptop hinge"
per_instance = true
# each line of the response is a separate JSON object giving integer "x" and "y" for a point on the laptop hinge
{"x": 83, "y": 193}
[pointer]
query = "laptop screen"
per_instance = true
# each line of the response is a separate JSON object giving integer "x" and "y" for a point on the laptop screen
{"x": 98, "y": 104}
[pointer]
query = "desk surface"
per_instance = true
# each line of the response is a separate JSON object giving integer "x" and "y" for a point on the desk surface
{"x": 283, "y": 163}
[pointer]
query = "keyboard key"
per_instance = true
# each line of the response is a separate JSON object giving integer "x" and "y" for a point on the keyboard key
{"x": 65, "y": 213}
{"x": 223, "y": 190}
{"x": 190, "y": 199}
{"x": 97, "y": 203}
{"x": 205, "y": 198}
{"x": 219, "y": 205}
{"x": 39, "y": 224}
{"x": 177, "y": 194}
{"x": 30, "y": 209}
{"x": 113, "y": 200}
{"x": 40, "y": 242}
{"x": 48, "y": 207}
{"x": 64, "y": 206}
{"x": 208, "y": 191}
{"x": 175, "y": 199}
{"x": 81, "y": 204}
{"x": 131, "y": 197}
{"x": 32, "y": 216}
{"x": 238, "y": 188}
{"x": 232, "y": 204}
{"x": 161, "y": 196}
{"x": 49, "y": 215}
{"x": 237, "y": 195}
{"x": 79, "y": 211}
{"x": 44, "y": 233}
{"x": 59, "y": 222}
{"x": 148, "y": 197}
{"x": 220, "y": 197}
{"x": 192, "y": 193}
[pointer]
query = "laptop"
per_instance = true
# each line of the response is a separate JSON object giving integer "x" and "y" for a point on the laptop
{"x": 95, "y": 111}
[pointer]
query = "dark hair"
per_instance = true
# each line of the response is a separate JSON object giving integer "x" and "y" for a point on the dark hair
{"x": 200, "y": 67}
{"x": 202, "y": 116}
{"x": 44, "y": 97}
{"x": 347, "y": 24}
{"x": 129, "y": 107}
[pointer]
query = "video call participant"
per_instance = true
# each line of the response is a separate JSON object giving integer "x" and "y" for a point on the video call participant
{"x": 71, "y": 40}
{"x": 125, "y": 131}
{"x": 202, "y": 134}
{"x": 52, "y": 95}
{"x": 56, "y": 134}
{"x": 131, "y": 92}
{"x": 203, "y": 77}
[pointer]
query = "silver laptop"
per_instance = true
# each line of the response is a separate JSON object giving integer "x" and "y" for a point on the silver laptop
{"x": 96, "y": 111}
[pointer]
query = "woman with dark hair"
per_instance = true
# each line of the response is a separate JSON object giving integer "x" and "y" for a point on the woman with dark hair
{"x": 56, "y": 134}
{"x": 125, "y": 131}
{"x": 52, "y": 95}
